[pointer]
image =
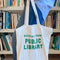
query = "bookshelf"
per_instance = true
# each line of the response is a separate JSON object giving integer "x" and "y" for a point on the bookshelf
{"x": 19, "y": 10}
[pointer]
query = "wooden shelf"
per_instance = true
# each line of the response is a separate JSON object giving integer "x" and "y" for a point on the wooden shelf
{"x": 51, "y": 51}
{"x": 55, "y": 9}
{"x": 12, "y": 31}
{"x": 56, "y": 31}
{"x": 20, "y": 9}
{"x": 6, "y": 52}
{"x": 7, "y": 31}
{"x": 12, "y": 9}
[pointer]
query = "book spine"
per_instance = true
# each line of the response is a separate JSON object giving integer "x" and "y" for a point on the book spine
{"x": 3, "y": 20}
{"x": 4, "y": 2}
{"x": 12, "y": 20}
{"x": 54, "y": 20}
{"x": 58, "y": 2}
{"x": 57, "y": 18}
{"x": 18, "y": 2}
{"x": 51, "y": 21}
{"x": 4, "y": 36}
{"x": 5, "y": 48}
{"x": 14, "y": 3}
{"x": 59, "y": 21}
{"x": 55, "y": 2}
{"x": 0, "y": 23}
{"x": 15, "y": 20}
{"x": 1, "y": 45}
{"x": 8, "y": 2}
{"x": 22, "y": 3}
{"x": 1, "y": 3}
{"x": 9, "y": 40}
{"x": 11, "y": 2}
{"x": 7, "y": 20}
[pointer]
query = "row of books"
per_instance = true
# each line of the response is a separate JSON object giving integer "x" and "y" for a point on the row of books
{"x": 57, "y": 3}
{"x": 56, "y": 43}
{"x": 5, "y": 3}
{"x": 53, "y": 20}
{"x": 8, "y": 20}
{"x": 5, "y": 42}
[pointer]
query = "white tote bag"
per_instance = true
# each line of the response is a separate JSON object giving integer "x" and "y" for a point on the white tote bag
{"x": 33, "y": 40}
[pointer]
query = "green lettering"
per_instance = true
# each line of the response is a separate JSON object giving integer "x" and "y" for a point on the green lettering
{"x": 25, "y": 47}
{"x": 32, "y": 41}
{"x": 39, "y": 40}
{"x": 38, "y": 46}
{"x": 29, "y": 46}
{"x": 26, "y": 40}
{"x": 33, "y": 47}
{"x": 41, "y": 45}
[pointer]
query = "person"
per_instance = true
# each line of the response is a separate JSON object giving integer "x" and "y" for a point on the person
{"x": 43, "y": 7}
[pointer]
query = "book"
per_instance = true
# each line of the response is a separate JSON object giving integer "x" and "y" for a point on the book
{"x": 0, "y": 44}
{"x": 22, "y": 3}
{"x": 4, "y": 37}
{"x": 7, "y": 20}
{"x": 51, "y": 42}
{"x": 1, "y": 47}
{"x": 49, "y": 21}
{"x": 4, "y": 20}
{"x": 9, "y": 40}
{"x": 58, "y": 3}
{"x": 58, "y": 21}
{"x": 9, "y": 3}
{"x": 1, "y": 3}
{"x": 56, "y": 43}
{"x": 4, "y": 3}
{"x": 14, "y": 3}
{"x": 14, "y": 20}
{"x": 3, "y": 44}
{"x": 54, "y": 20}
{"x": 1, "y": 20}
{"x": 18, "y": 2}
{"x": 55, "y": 2}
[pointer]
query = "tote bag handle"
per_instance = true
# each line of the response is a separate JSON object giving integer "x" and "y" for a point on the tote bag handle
{"x": 34, "y": 8}
{"x": 27, "y": 13}
{"x": 27, "y": 19}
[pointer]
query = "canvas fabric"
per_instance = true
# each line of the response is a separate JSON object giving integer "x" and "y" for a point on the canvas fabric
{"x": 33, "y": 40}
